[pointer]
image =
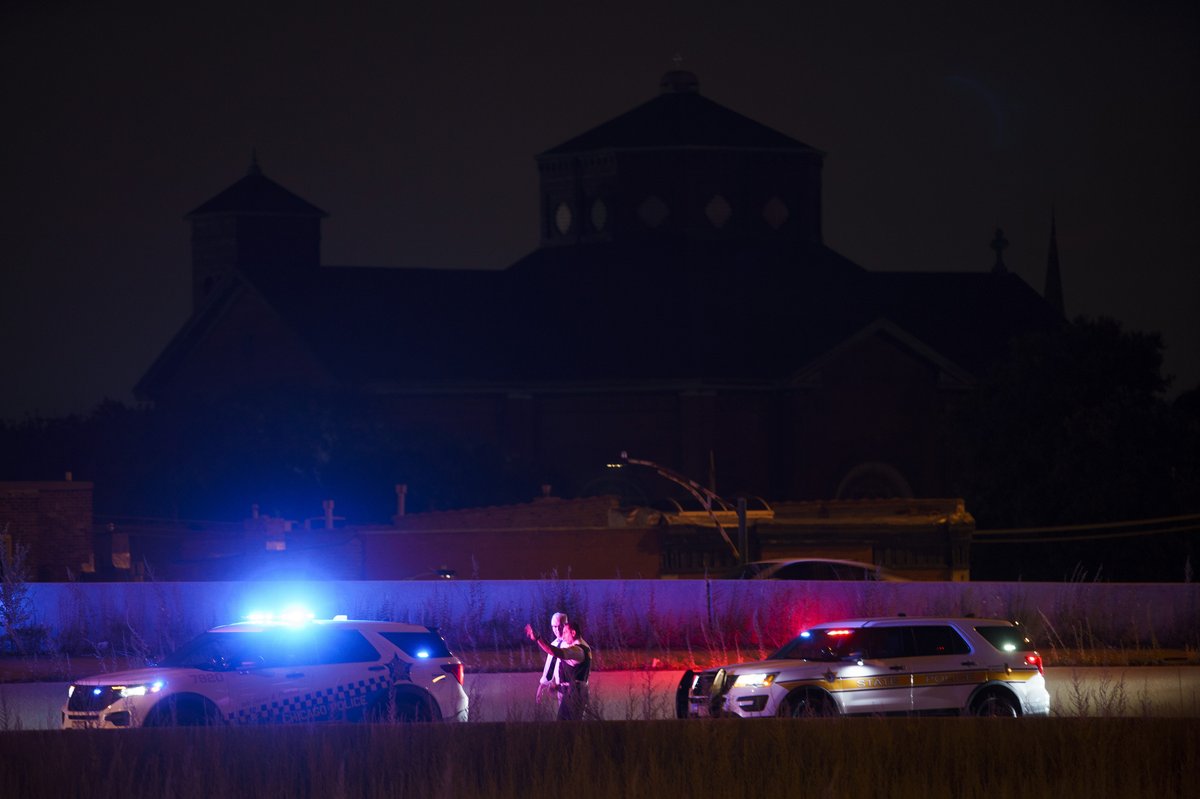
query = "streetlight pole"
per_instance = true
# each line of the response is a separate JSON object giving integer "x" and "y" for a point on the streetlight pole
{"x": 704, "y": 496}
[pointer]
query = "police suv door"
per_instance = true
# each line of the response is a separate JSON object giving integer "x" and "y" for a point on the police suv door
{"x": 944, "y": 670}
{"x": 882, "y": 683}
{"x": 261, "y": 677}
{"x": 339, "y": 676}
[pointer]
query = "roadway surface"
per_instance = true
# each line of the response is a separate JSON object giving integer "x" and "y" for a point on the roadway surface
{"x": 619, "y": 695}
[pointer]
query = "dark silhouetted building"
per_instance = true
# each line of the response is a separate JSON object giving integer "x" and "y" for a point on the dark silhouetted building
{"x": 681, "y": 305}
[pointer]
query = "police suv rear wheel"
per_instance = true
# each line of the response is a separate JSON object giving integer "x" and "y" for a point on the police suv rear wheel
{"x": 996, "y": 704}
{"x": 402, "y": 707}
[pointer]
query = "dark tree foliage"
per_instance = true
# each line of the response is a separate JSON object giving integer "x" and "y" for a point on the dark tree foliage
{"x": 1073, "y": 428}
{"x": 284, "y": 451}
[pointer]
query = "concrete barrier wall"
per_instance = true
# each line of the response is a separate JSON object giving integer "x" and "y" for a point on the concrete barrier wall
{"x": 156, "y": 617}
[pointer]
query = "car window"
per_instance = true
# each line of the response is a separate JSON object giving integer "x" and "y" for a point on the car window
{"x": 206, "y": 651}
{"x": 940, "y": 639}
{"x": 833, "y": 644}
{"x": 313, "y": 646}
{"x": 882, "y": 643}
{"x": 279, "y": 648}
{"x": 275, "y": 648}
{"x": 811, "y": 570}
{"x": 822, "y": 645}
{"x": 342, "y": 646}
{"x": 1006, "y": 638}
{"x": 425, "y": 644}
{"x": 846, "y": 571}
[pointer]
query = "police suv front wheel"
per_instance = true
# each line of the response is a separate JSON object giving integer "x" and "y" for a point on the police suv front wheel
{"x": 683, "y": 695}
{"x": 809, "y": 704}
{"x": 183, "y": 711}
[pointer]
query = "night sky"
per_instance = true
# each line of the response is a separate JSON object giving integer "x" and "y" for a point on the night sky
{"x": 415, "y": 126}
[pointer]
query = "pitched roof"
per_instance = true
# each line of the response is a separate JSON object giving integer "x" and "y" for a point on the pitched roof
{"x": 257, "y": 194}
{"x": 969, "y": 317}
{"x": 679, "y": 117}
{"x": 622, "y": 315}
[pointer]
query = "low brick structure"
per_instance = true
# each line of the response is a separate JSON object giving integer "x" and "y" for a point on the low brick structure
{"x": 590, "y": 538}
{"x": 53, "y": 519}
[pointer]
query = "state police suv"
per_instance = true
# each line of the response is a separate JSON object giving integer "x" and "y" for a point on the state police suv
{"x": 282, "y": 672}
{"x": 880, "y": 666}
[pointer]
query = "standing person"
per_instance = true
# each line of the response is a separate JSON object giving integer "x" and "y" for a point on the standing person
{"x": 574, "y": 668}
{"x": 558, "y": 623}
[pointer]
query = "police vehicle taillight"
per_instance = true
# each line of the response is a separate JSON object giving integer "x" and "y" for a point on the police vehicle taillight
{"x": 1034, "y": 659}
{"x": 455, "y": 670}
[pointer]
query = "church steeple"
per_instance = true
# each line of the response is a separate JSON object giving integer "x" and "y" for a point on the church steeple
{"x": 999, "y": 244}
{"x": 1053, "y": 291}
{"x": 254, "y": 169}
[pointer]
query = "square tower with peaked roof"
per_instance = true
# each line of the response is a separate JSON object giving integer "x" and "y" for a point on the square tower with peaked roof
{"x": 255, "y": 224}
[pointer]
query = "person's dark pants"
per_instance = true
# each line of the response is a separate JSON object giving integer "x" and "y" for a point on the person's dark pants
{"x": 572, "y": 701}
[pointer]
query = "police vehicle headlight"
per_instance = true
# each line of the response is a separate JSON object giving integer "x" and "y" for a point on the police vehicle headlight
{"x": 139, "y": 690}
{"x": 754, "y": 680}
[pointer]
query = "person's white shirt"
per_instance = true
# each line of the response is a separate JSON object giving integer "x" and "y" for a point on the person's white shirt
{"x": 550, "y": 669}
{"x": 558, "y": 623}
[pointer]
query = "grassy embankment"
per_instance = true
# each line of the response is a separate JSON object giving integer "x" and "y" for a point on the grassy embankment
{"x": 86, "y": 634}
{"x": 923, "y": 758}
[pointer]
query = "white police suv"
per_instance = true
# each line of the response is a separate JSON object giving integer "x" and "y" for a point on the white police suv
{"x": 880, "y": 666}
{"x": 295, "y": 671}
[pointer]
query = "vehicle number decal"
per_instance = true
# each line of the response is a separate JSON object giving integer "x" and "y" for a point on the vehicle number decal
{"x": 199, "y": 678}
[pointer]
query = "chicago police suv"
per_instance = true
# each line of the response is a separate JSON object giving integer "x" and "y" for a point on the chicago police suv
{"x": 282, "y": 671}
{"x": 880, "y": 666}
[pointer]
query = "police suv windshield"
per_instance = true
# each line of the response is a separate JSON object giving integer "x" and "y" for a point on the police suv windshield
{"x": 216, "y": 651}
{"x": 286, "y": 646}
{"x": 824, "y": 645}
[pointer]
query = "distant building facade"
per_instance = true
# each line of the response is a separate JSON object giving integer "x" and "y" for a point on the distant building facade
{"x": 681, "y": 305}
{"x": 588, "y": 538}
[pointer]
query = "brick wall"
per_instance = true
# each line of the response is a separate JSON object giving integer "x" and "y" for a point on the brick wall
{"x": 590, "y": 554}
{"x": 54, "y": 521}
{"x": 582, "y": 538}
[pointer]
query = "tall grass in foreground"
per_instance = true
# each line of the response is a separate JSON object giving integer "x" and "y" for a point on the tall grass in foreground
{"x": 919, "y": 758}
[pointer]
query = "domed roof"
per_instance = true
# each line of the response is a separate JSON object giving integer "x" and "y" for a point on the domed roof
{"x": 680, "y": 117}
